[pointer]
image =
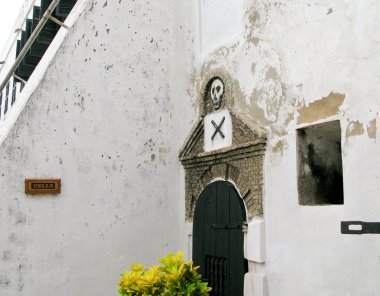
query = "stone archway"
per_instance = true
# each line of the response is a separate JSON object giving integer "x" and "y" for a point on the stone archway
{"x": 239, "y": 161}
{"x": 224, "y": 146}
{"x": 243, "y": 169}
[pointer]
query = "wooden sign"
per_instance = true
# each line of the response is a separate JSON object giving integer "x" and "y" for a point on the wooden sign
{"x": 42, "y": 186}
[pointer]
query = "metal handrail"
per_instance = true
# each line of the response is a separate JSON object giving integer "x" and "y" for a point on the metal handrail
{"x": 47, "y": 15}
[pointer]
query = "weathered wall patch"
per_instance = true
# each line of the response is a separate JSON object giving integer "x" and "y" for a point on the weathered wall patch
{"x": 321, "y": 109}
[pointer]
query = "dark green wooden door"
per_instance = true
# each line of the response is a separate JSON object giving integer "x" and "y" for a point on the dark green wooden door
{"x": 218, "y": 240}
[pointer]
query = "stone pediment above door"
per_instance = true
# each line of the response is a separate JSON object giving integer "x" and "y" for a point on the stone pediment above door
{"x": 220, "y": 128}
{"x": 244, "y": 133}
{"x": 224, "y": 144}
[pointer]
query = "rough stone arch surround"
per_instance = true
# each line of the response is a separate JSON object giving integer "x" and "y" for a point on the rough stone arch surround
{"x": 245, "y": 171}
{"x": 241, "y": 163}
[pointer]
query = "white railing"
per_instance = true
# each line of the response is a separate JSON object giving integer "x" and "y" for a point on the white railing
{"x": 12, "y": 89}
{"x": 25, "y": 11}
{"x": 21, "y": 97}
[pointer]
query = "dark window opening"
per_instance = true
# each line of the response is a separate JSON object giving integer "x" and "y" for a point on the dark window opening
{"x": 320, "y": 173}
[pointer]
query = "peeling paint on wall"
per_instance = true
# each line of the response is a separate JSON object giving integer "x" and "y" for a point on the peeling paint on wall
{"x": 355, "y": 128}
{"x": 279, "y": 147}
{"x": 321, "y": 109}
{"x": 289, "y": 118}
{"x": 372, "y": 129}
{"x": 256, "y": 66}
{"x": 163, "y": 153}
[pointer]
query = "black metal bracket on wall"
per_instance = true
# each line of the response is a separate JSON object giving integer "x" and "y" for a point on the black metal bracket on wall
{"x": 359, "y": 227}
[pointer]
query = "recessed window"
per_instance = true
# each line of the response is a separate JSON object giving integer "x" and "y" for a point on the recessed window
{"x": 320, "y": 173}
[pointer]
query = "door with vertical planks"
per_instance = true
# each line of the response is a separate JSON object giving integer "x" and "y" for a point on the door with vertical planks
{"x": 218, "y": 240}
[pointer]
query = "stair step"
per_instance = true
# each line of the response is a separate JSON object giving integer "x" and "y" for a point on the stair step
{"x": 44, "y": 38}
{"x": 29, "y": 59}
{"x": 36, "y": 13}
{"x": 24, "y": 71}
{"x": 64, "y": 7}
{"x": 48, "y": 32}
{"x": 44, "y": 6}
{"x": 37, "y": 49}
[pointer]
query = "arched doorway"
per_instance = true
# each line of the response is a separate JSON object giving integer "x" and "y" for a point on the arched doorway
{"x": 218, "y": 240}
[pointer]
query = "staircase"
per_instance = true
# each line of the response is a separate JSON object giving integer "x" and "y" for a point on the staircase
{"x": 14, "y": 73}
{"x": 44, "y": 38}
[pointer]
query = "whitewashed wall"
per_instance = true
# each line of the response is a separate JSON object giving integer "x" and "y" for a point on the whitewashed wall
{"x": 108, "y": 118}
{"x": 119, "y": 100}
{"x": 298, "y": 63}
{"x": 326, "y": 48}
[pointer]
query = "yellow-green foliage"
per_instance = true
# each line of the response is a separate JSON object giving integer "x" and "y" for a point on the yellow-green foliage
{"x": 174, "y": 277}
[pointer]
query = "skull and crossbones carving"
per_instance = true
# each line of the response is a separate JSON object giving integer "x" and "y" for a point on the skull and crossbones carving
{"x": 217, "y": 91}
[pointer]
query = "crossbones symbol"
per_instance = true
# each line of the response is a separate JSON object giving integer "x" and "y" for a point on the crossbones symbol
{"x": 217, "y": 128}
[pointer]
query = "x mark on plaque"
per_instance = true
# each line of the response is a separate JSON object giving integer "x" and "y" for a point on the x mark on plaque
{"x": 217, "y": 128}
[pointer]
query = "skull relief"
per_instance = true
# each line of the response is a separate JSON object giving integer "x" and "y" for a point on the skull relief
{"x": 217, "y": 91}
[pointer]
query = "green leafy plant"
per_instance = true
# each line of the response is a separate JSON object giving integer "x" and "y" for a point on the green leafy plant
{"x": 174, "y": 277}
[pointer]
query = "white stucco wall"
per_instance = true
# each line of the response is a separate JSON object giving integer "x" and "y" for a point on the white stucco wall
{"x": 115, "y": 107}
{"x": 220, "y": 21}
{"x": 108, "y": 119}
{"x": 324, "y": 50}
{"x": 300, "y": 63}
